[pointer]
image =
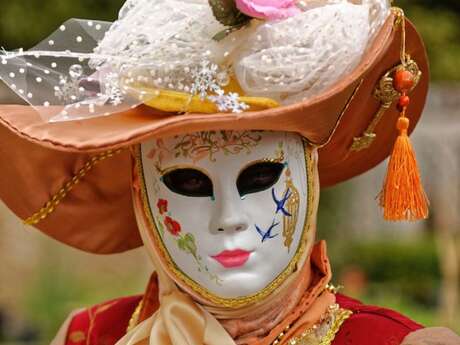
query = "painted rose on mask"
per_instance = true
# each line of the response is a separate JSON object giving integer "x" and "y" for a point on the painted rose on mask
{"x": 230, "y": 208}
{"x": 162, "y": 205}
{"x": 172, "y": 226}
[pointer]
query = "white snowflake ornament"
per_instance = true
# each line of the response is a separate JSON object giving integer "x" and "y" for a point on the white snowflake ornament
{"x": 205, "y": 79}
{"x": 228, "y": 102}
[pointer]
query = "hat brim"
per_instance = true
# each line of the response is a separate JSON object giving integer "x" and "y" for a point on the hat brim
{"x": 39, "y": 159}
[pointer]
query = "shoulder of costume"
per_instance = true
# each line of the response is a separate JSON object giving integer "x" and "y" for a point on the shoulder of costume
{"x": 103, "y": 323}
{"x": 372, "y": 325}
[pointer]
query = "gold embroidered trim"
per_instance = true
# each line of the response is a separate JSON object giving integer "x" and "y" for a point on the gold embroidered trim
{"x": 51, "y": 205}
{"x": 342, "y": 316}
{"x": 334, "y": 289}
{"x": 281, "y": 335}
{"x": 240, "y": 301}
{"x": 311, "y": 337}
{"x": 135, "y": 317}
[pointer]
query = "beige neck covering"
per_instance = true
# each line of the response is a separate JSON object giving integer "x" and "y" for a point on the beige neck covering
{"x": 184, "y": 319}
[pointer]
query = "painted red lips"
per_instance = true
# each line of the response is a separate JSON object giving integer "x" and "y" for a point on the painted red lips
{"x": 232, "y": 258}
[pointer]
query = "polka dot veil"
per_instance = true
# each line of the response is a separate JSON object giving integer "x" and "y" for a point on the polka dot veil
{"x": 60, "y": 76}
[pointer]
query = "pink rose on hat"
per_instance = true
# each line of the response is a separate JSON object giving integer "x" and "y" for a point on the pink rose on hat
{"x": 268, "y": 9}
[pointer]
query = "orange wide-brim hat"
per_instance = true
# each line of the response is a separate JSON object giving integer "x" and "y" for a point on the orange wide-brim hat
{"x": 72, "y": 180}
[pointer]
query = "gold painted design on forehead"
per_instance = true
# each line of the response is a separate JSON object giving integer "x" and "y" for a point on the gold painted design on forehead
{"x": 205, "y": 293}
{"x": 202, "y": 145}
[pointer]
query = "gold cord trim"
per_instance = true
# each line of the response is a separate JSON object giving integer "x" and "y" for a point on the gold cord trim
{"x": 401, "y": 21}
{"x": 134, "y": 320}
{"x": 51, "y": 205}
{"x": 240, "y": 301}
{"x": 339, "y": 121}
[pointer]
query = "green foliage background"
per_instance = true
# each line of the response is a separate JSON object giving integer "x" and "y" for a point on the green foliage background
{"x": 439, "y": 23}
{"x": 24, "y": 22}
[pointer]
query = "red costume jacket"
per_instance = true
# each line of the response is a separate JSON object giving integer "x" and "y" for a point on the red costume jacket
{"x": 106, "y": 323}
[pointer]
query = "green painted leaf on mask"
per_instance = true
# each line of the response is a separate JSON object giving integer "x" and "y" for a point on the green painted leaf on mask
{"x": 187, "y": 243}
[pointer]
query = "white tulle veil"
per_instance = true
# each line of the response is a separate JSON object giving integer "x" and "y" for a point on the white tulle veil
{"x": 89, "y": 68}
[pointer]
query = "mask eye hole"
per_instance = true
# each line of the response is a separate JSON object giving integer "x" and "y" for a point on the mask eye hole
{"x": 188, "y": 182}
{"x": 259, "y": 177}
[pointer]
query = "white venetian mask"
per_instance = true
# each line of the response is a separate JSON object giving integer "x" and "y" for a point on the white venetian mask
{"x": 229, "y": 209}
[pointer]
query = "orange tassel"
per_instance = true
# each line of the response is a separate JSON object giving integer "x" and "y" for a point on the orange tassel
{"x": 403, "y": 197}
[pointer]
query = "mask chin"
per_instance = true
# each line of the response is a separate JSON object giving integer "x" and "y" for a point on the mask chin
{"x": 231, "y": 215}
